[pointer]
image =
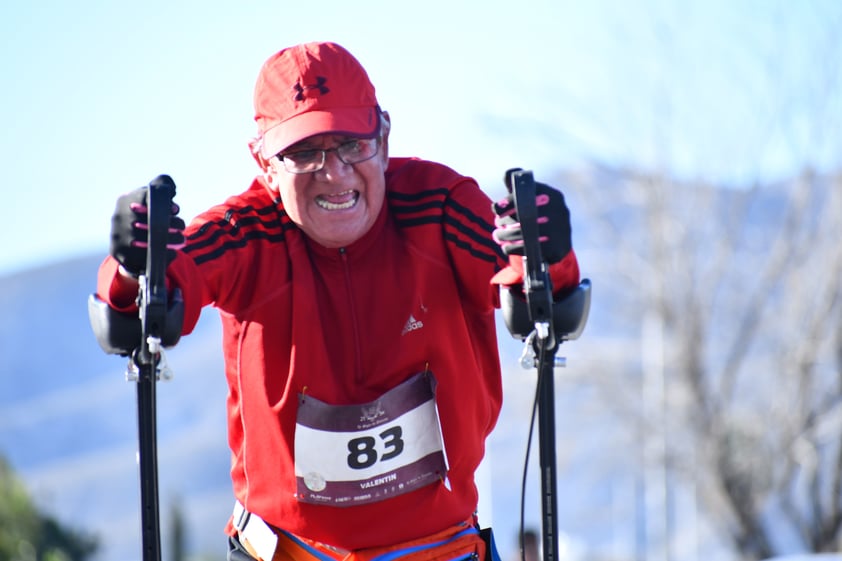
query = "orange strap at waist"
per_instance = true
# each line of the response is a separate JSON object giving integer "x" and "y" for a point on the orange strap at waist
{"x": 462, "y": 541}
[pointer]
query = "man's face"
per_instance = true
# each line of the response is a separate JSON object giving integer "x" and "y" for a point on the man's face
{"x": 336, "y": 205}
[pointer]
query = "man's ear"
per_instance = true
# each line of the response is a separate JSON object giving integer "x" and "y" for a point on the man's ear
{"x": 269, "y": 170}
{"x": 255, "y": 145}
{"x": 270, "y": 175}
{"x": 385, "y": 129}
{"x": 269, "y": 178}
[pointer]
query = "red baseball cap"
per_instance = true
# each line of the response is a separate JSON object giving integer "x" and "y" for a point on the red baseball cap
{"x": 309, "y": 89}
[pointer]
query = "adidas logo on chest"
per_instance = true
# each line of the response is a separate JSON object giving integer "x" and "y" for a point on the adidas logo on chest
{"x": 411, "y": 325}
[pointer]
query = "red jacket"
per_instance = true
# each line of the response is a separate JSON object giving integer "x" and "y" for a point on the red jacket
{"x": 344, "y": 326}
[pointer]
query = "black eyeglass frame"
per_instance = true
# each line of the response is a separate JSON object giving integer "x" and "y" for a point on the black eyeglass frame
{"x": 318, "y": 164}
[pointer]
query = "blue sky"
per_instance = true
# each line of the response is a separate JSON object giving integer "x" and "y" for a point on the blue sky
{"x": 101, "y": 96}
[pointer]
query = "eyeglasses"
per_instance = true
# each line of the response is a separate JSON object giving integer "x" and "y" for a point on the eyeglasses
{"x": 313, "y": 159}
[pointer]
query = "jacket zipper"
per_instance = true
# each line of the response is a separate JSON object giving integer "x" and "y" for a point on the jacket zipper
{"x": 358, "y": 368}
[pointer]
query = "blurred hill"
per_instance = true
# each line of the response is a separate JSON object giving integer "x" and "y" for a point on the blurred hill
{"x": 68, "y": 417}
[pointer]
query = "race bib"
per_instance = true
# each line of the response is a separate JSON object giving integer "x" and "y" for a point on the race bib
{"x": 355, "y": 454}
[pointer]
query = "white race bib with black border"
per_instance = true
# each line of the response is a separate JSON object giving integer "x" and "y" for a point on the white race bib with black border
{"x": 355, "y": 454}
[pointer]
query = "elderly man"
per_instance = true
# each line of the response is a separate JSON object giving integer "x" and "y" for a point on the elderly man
{"x": 357, "y": 295}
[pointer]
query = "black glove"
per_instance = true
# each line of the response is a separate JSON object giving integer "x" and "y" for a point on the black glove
{"x": 130, "y": 231}
{"x": 553, "y": 223}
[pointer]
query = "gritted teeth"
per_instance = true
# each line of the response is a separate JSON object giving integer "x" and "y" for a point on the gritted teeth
{"x": 338, "y": 201}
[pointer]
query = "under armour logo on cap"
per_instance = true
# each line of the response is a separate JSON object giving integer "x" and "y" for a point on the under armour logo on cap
{"x": 302, "y": 91}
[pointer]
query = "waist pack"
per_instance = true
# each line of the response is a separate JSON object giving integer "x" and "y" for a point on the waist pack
{"x": 463, "y": 542}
